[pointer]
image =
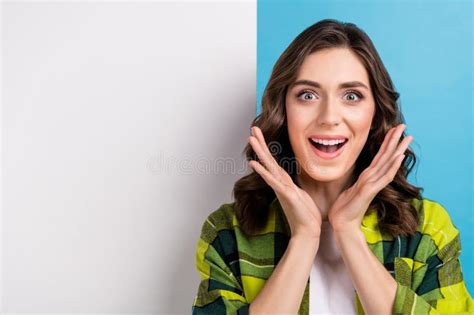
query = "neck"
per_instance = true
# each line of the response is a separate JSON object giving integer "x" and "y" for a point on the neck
{"x": 325, "y": 193}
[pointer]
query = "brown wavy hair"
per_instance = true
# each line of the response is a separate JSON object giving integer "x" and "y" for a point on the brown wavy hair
{"x": 397, "y": 216}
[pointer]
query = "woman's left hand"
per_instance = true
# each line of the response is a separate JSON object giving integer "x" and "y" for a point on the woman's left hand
{"x": 349, "y": 208}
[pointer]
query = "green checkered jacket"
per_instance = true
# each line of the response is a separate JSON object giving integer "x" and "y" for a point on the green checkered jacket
{"x": 234, "y": 266}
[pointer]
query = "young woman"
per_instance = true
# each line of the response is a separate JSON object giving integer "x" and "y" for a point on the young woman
{"x": 327, "y": 222}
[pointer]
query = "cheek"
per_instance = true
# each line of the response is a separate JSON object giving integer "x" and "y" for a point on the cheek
{"x": 294, "y": 114}
{"x": 360, "y": 123}
{"x": 295, "y": 124}
{"x": 299, "y": 117}
{"x": 360, "y": 120}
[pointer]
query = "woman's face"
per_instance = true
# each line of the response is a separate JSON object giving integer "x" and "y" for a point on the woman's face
{"x": 336, "y": 102}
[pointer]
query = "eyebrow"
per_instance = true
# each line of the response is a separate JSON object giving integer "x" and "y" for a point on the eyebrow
{"x": 318, "y": 85}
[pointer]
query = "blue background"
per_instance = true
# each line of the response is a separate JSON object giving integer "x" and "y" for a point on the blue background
{"x": 426, "y": 47}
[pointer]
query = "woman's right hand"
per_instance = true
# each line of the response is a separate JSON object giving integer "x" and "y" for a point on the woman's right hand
{"x": 303, "y": 215}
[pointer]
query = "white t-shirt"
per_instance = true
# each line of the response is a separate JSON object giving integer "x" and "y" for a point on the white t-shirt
{"x": 331, "y": 288}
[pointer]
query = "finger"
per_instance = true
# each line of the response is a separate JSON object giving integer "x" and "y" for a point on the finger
{"x": 257, "y": 132}
{"x": 389, "y": 176}
{"x": 374, "y": 166}
{"x": 391, "y": 146}
{"x": 267, "y": 160}
{"x": 259, "y": 135}
{"x": 374, "y": 187}
{"x": 383, "y": 146}
{"x": 266, "y": 175}
{"x": 403, "y": 145}
{"x": 400, "y": 150}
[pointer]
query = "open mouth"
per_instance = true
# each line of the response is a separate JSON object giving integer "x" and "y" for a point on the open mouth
{"x": 327, "y": 148}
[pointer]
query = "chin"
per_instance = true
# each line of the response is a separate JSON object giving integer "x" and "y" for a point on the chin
{"x": 325, "y": 177}
{"x": 324, "y": 173}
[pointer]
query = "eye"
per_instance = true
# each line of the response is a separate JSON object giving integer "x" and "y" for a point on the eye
{"x": 357, "y": 94}
{"x": 305, "y": 92}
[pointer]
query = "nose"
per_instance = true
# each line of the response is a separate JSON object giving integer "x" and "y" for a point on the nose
{"x": 328, "y": 114}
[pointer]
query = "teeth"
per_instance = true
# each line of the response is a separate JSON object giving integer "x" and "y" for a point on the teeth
{"x": 328, "y": 142}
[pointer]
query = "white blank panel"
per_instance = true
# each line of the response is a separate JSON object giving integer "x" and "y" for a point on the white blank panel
{"x": 112, "y": 111}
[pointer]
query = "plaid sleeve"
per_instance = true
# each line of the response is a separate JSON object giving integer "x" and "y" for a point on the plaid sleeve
{"x": 219, "y": 291}
{"x": 437, "y": 285}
